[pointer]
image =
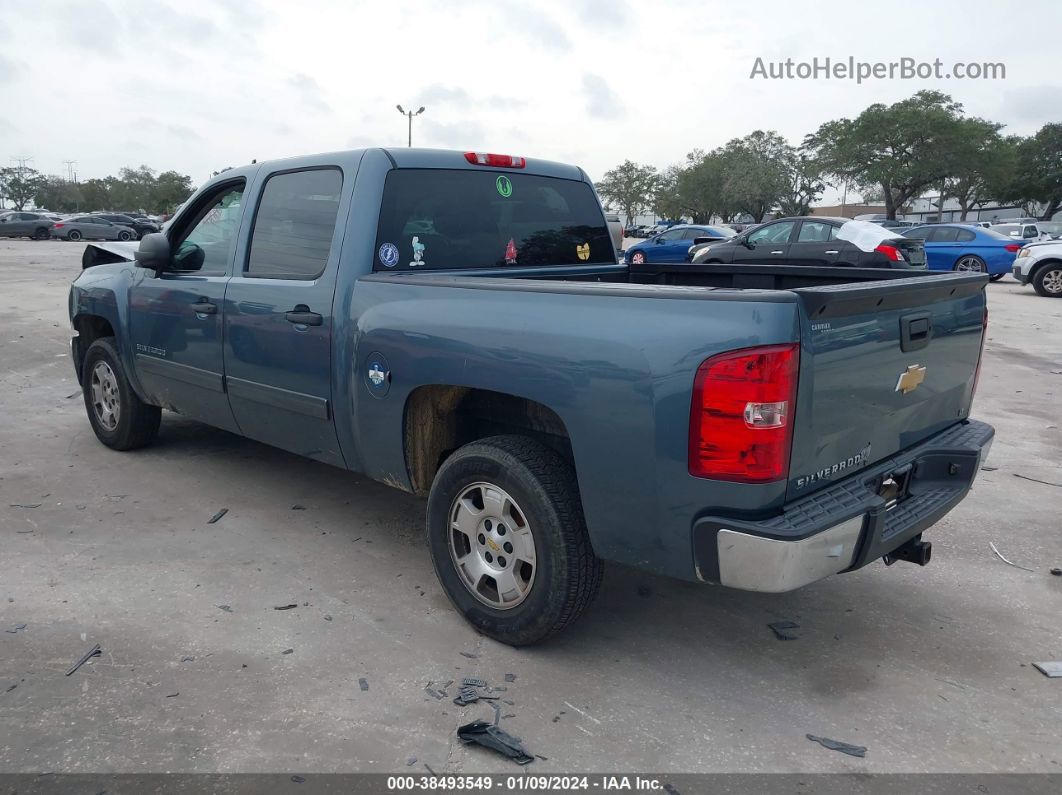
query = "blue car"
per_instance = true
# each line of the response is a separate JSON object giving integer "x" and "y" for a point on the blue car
{"x": 965, "y": 247}
{"x": 674, "y": 244}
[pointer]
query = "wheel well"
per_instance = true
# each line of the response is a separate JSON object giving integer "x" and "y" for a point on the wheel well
{"x": 89, "y": 329}
{"x": 1039, "y": 266}
{"x": 439, "y": 419}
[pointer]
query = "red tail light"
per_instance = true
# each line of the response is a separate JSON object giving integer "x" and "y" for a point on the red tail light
{"x": 58, "y": 225}
{"x": 741, "y": 416}
{"x": 891, "y": 252}
{"x": 497, "y": 161}
{"x": 1012, "y": 247}
{"x": 981, "y": 353}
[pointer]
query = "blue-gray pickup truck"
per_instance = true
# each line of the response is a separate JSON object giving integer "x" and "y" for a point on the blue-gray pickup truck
{"x": 456, "y": 325}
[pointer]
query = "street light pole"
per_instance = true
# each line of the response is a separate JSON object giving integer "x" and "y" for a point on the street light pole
{"x": 410, "y": 114}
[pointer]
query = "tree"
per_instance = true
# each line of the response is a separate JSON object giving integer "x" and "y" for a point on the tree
{"x": 755, "y": 172}
{"x": 1038, "y": 175}
{"x": 902, "y": 148}
{"x": 667, "y": 202}
{"x": 171, "y": 189}
{"x": 19, "y": 185}
{"x": 57, "y": 193}
{"x": 630, "y": 186}
{"x": 804, "y": 184}
{"x": 982, "y": 162}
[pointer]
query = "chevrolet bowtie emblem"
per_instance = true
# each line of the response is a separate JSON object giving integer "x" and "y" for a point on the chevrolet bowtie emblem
{"x": 910, "y": 378}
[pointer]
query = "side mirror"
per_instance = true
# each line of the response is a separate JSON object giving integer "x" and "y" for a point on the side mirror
{"x": 657, "y": 239}
{"x": 747, "y": 243}
{"x": 153, "y": 252}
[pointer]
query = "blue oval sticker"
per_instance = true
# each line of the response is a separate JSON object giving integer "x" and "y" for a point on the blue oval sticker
{"x": 388, "y": 254}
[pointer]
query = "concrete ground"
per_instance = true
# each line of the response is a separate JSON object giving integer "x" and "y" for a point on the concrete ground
{"x": 929, "y": 668}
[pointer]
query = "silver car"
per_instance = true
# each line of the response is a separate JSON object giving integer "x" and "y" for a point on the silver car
{"x": 91, "y": 227}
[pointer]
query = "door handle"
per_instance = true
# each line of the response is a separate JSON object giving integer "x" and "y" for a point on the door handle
{"x": 778, "y": 252}
{"x": 833, "y": 251}
{"x": 302, "y": 316}
{"x": 205, "y": 308}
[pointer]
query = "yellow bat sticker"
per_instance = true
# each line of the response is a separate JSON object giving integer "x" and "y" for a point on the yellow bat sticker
{"x": 583, "y": 250}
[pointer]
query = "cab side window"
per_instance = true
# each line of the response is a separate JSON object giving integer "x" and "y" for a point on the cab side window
{"x": 295, "y": 224}
{"x": 205, "y": 244}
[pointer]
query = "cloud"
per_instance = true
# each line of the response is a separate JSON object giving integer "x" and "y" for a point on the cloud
{"x": 310, "y": 91}
{"x": 1030, "y": 104}
{"x": 9, "y": 69}
{"x": 92, "y": 27}
{"x": 533, "y": 23}
{"x": 455, "y": 135}
{"x": 602, "y": 101}
{"x": 612, "y": 14}
{"x": 457, "y": 97}
{"x": 6, "y": 127}
{"x": 155, "y": 126}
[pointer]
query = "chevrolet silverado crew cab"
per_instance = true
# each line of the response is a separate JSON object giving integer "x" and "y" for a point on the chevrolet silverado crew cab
{"x": 456, "y": 325}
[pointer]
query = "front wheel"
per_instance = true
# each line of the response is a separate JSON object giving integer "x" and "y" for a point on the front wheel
{"x": 123, "y": 235}
{"x": 508, "y": 540}
{"x": 637, "y": 258}
{"x": 120, "y": 419}
{"x": 971, "y": 263}
{"x": 74, "y": 235}
{"x": 1048, "y": 281}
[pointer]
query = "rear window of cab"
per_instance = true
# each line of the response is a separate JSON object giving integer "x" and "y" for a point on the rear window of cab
{"x": 432, "y": 219}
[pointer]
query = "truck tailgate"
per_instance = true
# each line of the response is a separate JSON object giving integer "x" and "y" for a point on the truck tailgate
{"x": 883, "y": 366}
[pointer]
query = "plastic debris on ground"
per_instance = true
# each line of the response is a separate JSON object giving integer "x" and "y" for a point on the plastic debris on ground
{"x": 479, "y": 732}
{"x": 217, "y": 516}
{"x": 1052, "y": 670}
{"x": 93, "y": 652}
{"x": 363, "y": 683}
{"x": 781, "y": 629}
{"x": 1008, "y": 562}
{"x": 837, "y": 745}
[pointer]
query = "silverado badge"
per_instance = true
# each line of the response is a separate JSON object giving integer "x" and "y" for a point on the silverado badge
{"x": 910, "y": 378}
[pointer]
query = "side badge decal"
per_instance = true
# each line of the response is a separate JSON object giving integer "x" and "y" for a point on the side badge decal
{"x": 418, "y": 252}
{"x": 377, "y": 374}
{"x": 583, "y": 250}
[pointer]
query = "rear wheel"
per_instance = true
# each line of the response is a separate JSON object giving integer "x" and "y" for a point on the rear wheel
{"x": 971, "y": 263}
{"x": 508, "y": 540}
{"x": 74, "y": 235}
{"x": 120, "y": 419}
{"x": 1048, "y": 281}
{"x": 41, "y": 234}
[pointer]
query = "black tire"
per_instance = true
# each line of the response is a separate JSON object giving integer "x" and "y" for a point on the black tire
{"x": 124, "y": 236}
{"x": 74, "y": 235}
{"x": 995, "y": 277}
{"x": 1047, "y": 281}
{"x": 970, "y": 263}
{"x": 42, "y": 234}
{"x": 635, "y": 258}
{"x": 137, "y": 422}
{"x": 567, "y": 574}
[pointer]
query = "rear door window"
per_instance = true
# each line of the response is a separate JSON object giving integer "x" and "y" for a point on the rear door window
{"x": 294, "y": 225}
{"x": 433, "y": 219}
{"x": 944, "y": 234}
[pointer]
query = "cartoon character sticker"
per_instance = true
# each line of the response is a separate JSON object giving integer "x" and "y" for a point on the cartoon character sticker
{"x": 504, "y": 186}
{"x": 388, "y": 255}
{"x": 510, "y": 252}
{"x": 418, "y": 252}
{"x": 583, "y": 250}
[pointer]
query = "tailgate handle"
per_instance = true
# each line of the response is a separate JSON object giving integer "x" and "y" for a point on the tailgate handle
{"x": 915, "y": 331}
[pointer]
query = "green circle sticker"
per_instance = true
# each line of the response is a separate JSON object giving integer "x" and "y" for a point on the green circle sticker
{"x": 504, "y": 186}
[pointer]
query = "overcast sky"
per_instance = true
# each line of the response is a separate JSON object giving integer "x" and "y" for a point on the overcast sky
{"x": 196, "y": 86}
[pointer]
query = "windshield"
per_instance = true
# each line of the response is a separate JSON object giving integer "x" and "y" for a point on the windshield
{"x": 1005, "y": 229}
{"x": 996, "y": 232}
{"x": 1052, "y": 228}
{"x": 440, "y": 218}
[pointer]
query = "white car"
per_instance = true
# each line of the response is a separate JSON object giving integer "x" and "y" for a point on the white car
{"x": 1030, "y": 230}
{"x": 1041, "y": 265}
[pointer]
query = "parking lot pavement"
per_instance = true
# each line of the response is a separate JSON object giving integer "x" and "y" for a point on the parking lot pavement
{"x": 929, "y": 668}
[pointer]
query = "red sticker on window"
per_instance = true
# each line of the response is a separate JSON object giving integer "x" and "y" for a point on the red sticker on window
{"x": 510, "y": 252}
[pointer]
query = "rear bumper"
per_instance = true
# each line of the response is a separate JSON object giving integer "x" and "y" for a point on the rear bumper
{"x": 847, "y": 525}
